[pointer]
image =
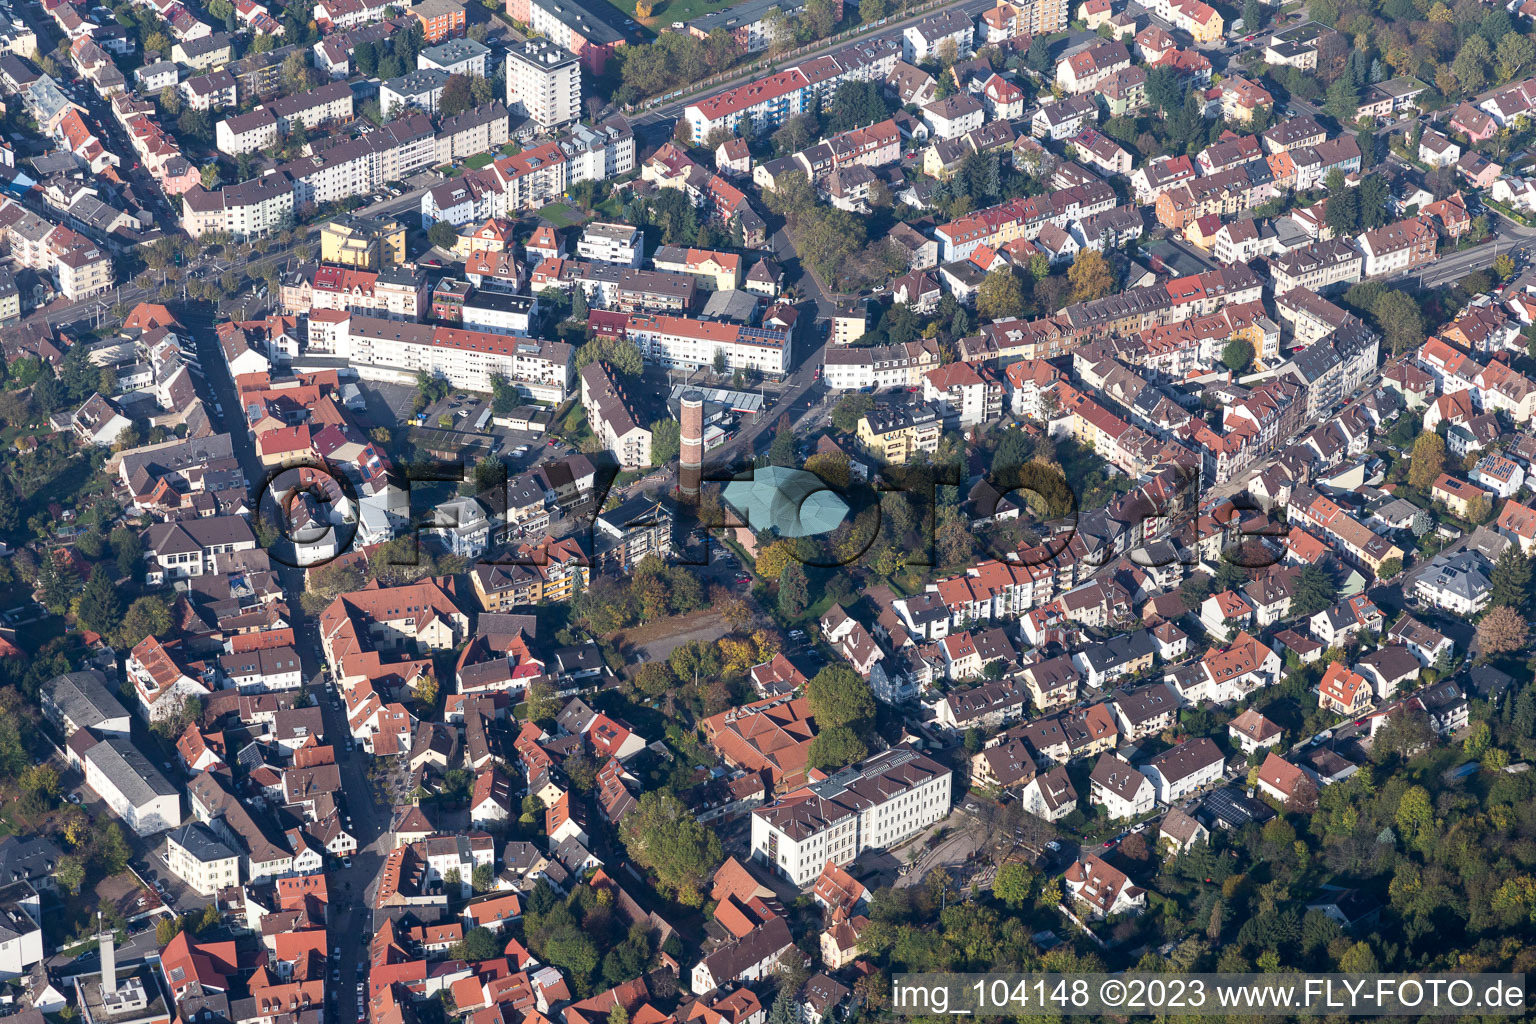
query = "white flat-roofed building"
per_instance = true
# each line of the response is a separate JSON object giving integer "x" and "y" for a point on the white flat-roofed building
{"x": 501, "y": 313}
{"x": 133, "y": 788}
{"x": 420, "y": 89}
{"x": 457, "y": 57}
{"x": 201, "y": 859}
{"x": 871, "y": 805}
{"x": 541, "y": 370}
{"x": 544, "y": 83}
{"x": 621, "y": 244}
{"x": 685, "y": 343}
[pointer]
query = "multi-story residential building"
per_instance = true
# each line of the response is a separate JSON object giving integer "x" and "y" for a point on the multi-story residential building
{"x": 1024, "y": 18}
{"x": 248, "y": 210}
{"x": 420, "y": 89}
{"x": 246, "y": 133}
{"x": 871, "y": 805}
{"x": 500, "y": 313}
{"x": 213, "y": 91}
{"x": 612, "y": 417}
{"x": 601, "y": 153}
{"x": 544, "y": 83}
{"x": 592, "y": 33}
{"x": 1185, "y": 769}
{"x": 480, "y": 130}
{"x": 201, "y": 859}
{"x": 440, "y": 19}
{"x": 895, "y": 434}
{"x": 457, "y": 57}
{"x": 312, "y": 108}
{"x": 1317, "y": 266}
{"x": 83, "y": 270}
{"x": 879, "y": 367}
{"x": 950, "y": 33}
{"x": 686, "y": 343}
{"x": 1397, "y": 248}
{"x": 1083, "y": 71}
{"x": 619, "y": 244}
{"x": 1121, "y": 790}
{"x": 541, "y": 370}
{"x": 362, "y": 243}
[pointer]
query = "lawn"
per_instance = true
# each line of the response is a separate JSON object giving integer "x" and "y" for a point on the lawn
{"x": 479, "y": 160}
{"x": 560, "y": 215}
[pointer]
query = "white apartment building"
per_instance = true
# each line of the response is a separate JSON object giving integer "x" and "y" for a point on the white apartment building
{"x": 1121, "y": 790}
{"x": 620, "y": 244}
{"x": 21, "y": 933}
{"x": 314, "y": 107}
{"x": 883, "y": 366}
{"x": 457, "y": 57}
{"x": 420, "y": 89}
{"x": 132, "y": 787}
{"x": 684, "y": 343}
{"x": 600, "y": 153}
{"x": 544, "y": 83}
{"x": 1184, "y": 769}
{"x": 201, "y": 859}
{"x": 246, "y": 133}
{"x": 501, "y": 313}
{"x": 930, "y": 38}
{"x": 871, "y": 805}
{"x": 543, "y": 371}
{"x": 612, "y": 417}
{"x": 247, "y": 210}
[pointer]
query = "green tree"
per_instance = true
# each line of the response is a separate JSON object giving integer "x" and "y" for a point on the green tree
{"x": 663, "y": 837}
{"x": 665, "y": 441}
{"x": 1511, "y": 579}
{"x": 1472, "y": 63}
{"x": 56, "y": 580}
{"x": 100, "y": 607}
{"x": 1415, "y": 817}
{"x": 849, "y": 410}
{"x": 457, "y": 96}
{"x": 835, "y": 747}
{"x": 1401, "y": 320}
{"x": 1342, "y": 100}
{"x": 839, "y": 697}
{"x": 794, "y": 590}
{"x": 1314, "y": 592}
{"x": 476, "y": 945}
{"x": 1011, "y": 884}
{"x": 443, "y": 235}
{"x": 1237, "y": 356}
{"x": 483, "y": 879}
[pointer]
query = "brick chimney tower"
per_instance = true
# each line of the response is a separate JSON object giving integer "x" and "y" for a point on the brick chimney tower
{"x": 690, "y": 457}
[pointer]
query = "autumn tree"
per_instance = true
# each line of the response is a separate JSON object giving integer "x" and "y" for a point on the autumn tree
{"x": 1001, "y": 295}
{"x": 1502, "y": 631}
{"x": 1090, "y": 276}
{"x": 1427, "y": 461}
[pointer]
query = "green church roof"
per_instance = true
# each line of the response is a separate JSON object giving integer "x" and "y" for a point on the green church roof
{"x": 786, "y": 502}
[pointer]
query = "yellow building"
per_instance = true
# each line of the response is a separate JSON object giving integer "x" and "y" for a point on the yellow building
{"x": 896, "y": 435}
{"x": 367, "y": 243}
